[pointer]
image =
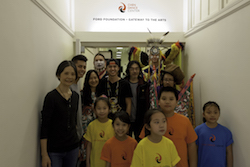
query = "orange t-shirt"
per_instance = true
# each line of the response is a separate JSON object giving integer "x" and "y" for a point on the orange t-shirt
{"x": 181, "y": 132}
{"x": 119, "y": 153}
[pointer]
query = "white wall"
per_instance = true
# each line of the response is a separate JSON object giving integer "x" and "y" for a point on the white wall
{"x": 95, "y": 14}
{"x": 31, "y": 47}
{"x": 220, "y": 56}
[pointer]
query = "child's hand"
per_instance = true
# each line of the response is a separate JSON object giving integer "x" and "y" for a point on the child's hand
{"x": 79, "y": 153}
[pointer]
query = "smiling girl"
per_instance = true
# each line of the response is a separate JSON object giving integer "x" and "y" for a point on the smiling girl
{"x": 118, "y": 150}
{"x": 98, "y": 132}
{"x": 214, "y": 140}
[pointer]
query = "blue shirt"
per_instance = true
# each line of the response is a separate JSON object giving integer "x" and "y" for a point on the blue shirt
{"x": 212, "y": 144}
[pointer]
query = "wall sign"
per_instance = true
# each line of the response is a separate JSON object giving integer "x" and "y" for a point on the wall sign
{"x": 129, "y": 16}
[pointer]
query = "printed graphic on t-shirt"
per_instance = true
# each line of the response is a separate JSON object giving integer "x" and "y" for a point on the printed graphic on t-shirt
{"x": 102, "y": 134}
{"x": 212, "y": 142}
{"x": 171, "y": 131}
{"x": 212, "y": 138}
{"x": 124, "y": 155}
{"x": 158, "y": 158}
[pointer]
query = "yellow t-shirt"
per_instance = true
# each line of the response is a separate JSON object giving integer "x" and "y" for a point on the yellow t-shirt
{"x": 98, "y": 133}
{"x": 181, "y": 132}
{"x": 149, "y": 154}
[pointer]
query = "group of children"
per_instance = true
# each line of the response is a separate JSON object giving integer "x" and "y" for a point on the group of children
{"x": 168, "y": 138}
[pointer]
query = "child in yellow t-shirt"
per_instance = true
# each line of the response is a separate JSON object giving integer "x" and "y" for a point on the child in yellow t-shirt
{"x": 179, "y": 128}
{"x": 155, "y": 149}
{"x": 98, "y": 132}
{"x": 118, "y": 150}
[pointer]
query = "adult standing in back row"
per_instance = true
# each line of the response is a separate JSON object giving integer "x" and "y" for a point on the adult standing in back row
{"x": 80, "y": 62}
{"x": 100, "y": 65}
{"x": 116, "y": 89}
{"x": 140, "y": 99}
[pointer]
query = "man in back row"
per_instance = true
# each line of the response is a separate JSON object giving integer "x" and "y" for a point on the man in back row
{"x": 80, "y": 62}
{"x": 116, "y": 89}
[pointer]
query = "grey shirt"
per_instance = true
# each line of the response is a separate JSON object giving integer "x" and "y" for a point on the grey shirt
{"x": 134, "y": 101}
{"x": 79, "y": 129}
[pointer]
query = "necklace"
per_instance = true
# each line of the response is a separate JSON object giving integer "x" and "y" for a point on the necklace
{"x": 93, "y": 97}
{"x": 62, "y": 93}
{"x": 113, "y": 97}
{"x": 109, "y": 89}
{"x": 100, "y": 69}
{"x": 100, "y": 74}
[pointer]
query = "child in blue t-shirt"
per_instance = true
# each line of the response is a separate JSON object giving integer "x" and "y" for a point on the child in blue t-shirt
{"x": 214, "y": 140}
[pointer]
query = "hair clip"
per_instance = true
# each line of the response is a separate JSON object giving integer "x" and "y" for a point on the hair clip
{"x": 103, "y": 95}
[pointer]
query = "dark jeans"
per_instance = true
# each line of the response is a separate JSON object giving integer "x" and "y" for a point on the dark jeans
{"x": 136, "y": 130}
{"x": 64, "y": 159}
{"x": 82, "y": 164}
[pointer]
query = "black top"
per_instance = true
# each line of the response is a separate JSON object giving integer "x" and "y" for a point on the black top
{"x": 59, "y": 122}
{"x": 124, "y": 91}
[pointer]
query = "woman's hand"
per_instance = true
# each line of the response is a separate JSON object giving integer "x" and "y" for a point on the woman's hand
{"x": 46, "y": 162}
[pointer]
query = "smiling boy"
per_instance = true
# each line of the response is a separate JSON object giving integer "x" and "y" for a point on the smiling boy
{"x": 116, "y": 89}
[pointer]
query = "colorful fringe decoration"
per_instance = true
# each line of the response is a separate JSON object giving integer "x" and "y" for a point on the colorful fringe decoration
{"x": 153, "y": 89}
{"x": 185, "y": 104}
{"x": 175, "y": 50}
{"x": 137, "y": 55}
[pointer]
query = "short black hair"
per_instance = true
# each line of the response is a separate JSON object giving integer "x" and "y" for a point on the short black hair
{"x": 129, "y": 66}
{"x": 99, "y": 54}
{"x": 122, "y": 115}
{"x": 148, "y": 118}
{"x": 109, "y": 60}
{"x": 79, "y": 57}
{"x": 101, "y": 98}
{"x": 63, "y": 65}
{"x": 162, "y": 77}
{"x": 168, "y": 89}
{"x": 209, "y": 103}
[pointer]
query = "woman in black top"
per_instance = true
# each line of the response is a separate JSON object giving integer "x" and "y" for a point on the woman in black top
{"x": 59, "y": 141}
{"x": 88, "y": 95}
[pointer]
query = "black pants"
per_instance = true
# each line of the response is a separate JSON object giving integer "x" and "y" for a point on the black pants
{"x": 82, "y": 164}
{"x": 136, "y": 129}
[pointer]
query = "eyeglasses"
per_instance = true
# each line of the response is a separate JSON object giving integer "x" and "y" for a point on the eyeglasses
{"x": 168, "y": 80}
{"x": 136, "y": 69}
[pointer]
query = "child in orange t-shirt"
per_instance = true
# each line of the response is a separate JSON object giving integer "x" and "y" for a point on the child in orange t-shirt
{"x": 118, "y": 150}
{"x": 179, "y": 128}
